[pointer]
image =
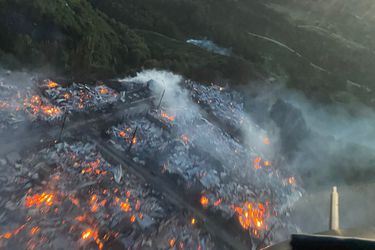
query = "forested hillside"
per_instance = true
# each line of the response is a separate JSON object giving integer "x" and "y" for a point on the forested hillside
{"x": 329, "y": 58}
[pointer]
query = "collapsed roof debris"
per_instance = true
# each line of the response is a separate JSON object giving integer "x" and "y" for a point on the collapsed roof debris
{"x": 72, "y": 195}
{"x": 78, "y": 203}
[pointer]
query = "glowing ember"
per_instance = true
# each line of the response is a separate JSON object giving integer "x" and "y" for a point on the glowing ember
{"x": 125, "y": 206}
{"x": 93, "y": 202}
{"x": 52, "y": 84}
{"x": 34, "y": 230}
{"x": 132, "y": 219}
{"x": 292, "y": 180}
{"x": 257, "y": 162}
{"x": 134, "y": 140}
{"x": 204, "y": 201}
{"x": 172, "y": 242}
{"x": 9, "y": 235}
{"x": 87, "y": 234}
{"x": 122, "y": 134}
{"x": 50, "y": 110}
{"x": 67, "y": 96}
{"x": 266, "y": 141}
{"x": 168, "y": 117}
{"x": 103, "y": 91}
{"x": 218, "y": 202}
{"x": 193, "y": 221}
{"x": 267, "y": 163}
{"x": 92, "y": 234}
{"x": 39, "y": 199}
{"x": 252, "y": 215}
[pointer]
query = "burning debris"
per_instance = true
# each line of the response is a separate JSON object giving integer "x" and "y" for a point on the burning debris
{"x": 72, "y": 196}
{"x": 234, "y": 179}
{"x": 80, "y": 97}
{"x": 76, "y": 201}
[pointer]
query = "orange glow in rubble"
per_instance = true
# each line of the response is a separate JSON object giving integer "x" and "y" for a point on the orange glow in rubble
{"x": 34, "y": 230}
{"x": 134, "y": 140}
{"x": 104, "y": 91}
{"x": 218, "y": 202}
{"x": 165, "y": 115}
{"x": 172, "y": 242}
{"x": 92, "y": 234}
{"x": 252, "y": 215}
{"x": 39, "y": 199}
{"x": 193, "y": 221}
{"x": 125, "y": 206}
{"x": 35, "y": 105}
{"x": 257, "y": 162}
{"x": 204, "y": 201}
{"x": 122, "y": 134}
{"x": 267, "y": 163}
{"x": 66, "y": 95}
{"x": 132, "y": 219}
{"x": 50, "y": 110}
{"x": 292, "y": 180}
{"x": 87, "y": 234}
{"x": 52, "y": 84}
{"x": 35, "y": 99}
{"x": 9, "y": 235}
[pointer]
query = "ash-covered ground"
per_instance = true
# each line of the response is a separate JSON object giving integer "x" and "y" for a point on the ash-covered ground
{"x": 153, "y": 161}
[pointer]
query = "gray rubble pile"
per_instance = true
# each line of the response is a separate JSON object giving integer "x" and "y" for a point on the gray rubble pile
{"x": 228, "y": 173}
{"x": 223, "y": 103}
{"x": 81, "y": 97}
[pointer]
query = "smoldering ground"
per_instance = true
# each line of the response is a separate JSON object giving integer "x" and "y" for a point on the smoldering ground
{"x": 326, "y": 145}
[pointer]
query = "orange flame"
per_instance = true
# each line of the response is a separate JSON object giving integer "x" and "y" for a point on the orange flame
{"x": 88, "y": 234}
{"x": 66, "y": 95}
{"x": 39, "y": 199}
{"x": 132, "y": 219}
{"x": 193, "y": 221}
{"x": 172, "y": 242}
{"x": 125, "y": 206}
{"x": 204, "y": 201}
{"x": 9, "y": 235}
{"x": 267, "y": 163}
{"x": 165, "y": 115}
{"x": 292, "y": 180}
{"x": 252, "y": 215}
{"x": 34, "y": 230}
{"x": 104, "y": 91}
{"x": 134, "y": 140}
{"x": 257, "y": 162}
{"x": 52, "y": 84}
{"x": 50, "y": 110}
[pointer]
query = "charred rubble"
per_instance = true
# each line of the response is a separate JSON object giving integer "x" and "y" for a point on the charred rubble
{"x": 69, "y": 194}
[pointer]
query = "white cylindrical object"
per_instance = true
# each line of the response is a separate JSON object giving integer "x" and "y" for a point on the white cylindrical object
{"x": 334, "y": 216}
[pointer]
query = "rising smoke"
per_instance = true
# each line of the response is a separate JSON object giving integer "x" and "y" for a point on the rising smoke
{"x": 325, "y": 145}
